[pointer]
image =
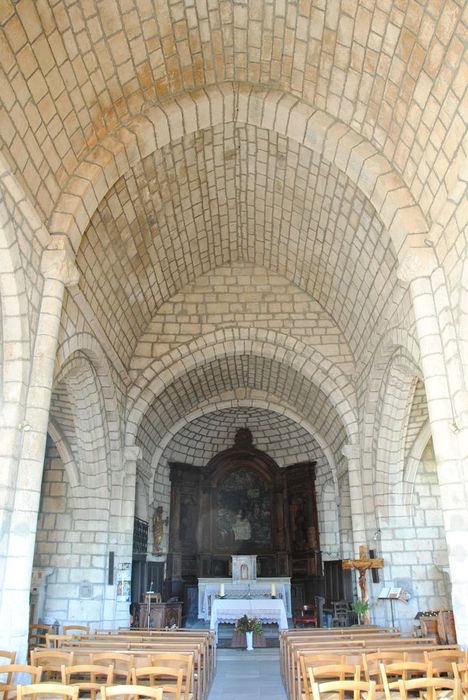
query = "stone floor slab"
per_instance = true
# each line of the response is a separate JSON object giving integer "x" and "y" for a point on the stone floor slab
{"x": 247, "y": 675}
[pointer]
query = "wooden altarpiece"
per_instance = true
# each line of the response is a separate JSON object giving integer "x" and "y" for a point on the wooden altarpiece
{"x": 241, "y": 502}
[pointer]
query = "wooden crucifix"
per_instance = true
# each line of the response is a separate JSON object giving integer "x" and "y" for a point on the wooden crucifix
{"x": 362, "y": 565}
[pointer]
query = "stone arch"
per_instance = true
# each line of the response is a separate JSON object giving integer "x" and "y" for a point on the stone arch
{"x": 232, "y": 102}
{"x": 331, "y": 544}
{"x": 305, "y": 360}
{"x": 88, "y": 346}
{"x": 388, "y": 402}
{"x": 65, "y": 452}
{"x": 78, "y": 408}
{"x": 413, "y": 462}
{"x": 227, "y": 400}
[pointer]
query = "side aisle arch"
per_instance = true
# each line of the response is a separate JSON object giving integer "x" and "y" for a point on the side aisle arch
{"x": 87, "y": 345}
{"x": 392, "y": 384}
{"x": 84, "y": 409}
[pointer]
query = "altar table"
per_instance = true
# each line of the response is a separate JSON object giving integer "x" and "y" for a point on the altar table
{"x": 208, "y": 590}
{"x": 230, "y": 610}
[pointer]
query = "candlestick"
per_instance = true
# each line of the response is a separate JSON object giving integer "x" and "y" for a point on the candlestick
{"x": 221, "y": 590}
{"x": 273, "y": 590}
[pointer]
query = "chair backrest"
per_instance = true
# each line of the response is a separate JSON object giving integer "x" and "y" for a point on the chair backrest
{"x": 340, "y": 613}
{"x": 133, "y": 691}
{"x": 8, "y": 682}
{"x": 76, "y": 629}
{"x": 371, "y": 663}
{"x": 87, "y": 673}
{"x": 430, "y": 686}
{"x": 47, "y": 689}
{"x": 390, "y": 674}
{"x": 337, "y": 672}
{"x": 169, "y": 679}
{"x": 183, "y": 662}
{"x": 441, "y": 660}
{"x": 8, "y": 657}
{"x": 334, "y": 672}
{"x": 122, "y": 663}
{"x": 55, "y": 641}
{"x": 88, "y": 678}
{"x": 37, "y": 635}
{"x": 308, "y": 610}
{"x": 340, "y": 606}
{"x": 356, "y": 688}
{"x": 310, "y": 660}
{"x": 51, "y": 661}
{"x": 460, "y": 671}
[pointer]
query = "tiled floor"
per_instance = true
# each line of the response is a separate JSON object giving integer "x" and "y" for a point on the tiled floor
{"x": 247, "y": 675}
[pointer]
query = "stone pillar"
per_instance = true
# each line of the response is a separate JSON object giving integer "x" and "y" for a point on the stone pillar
{"x": 448, "y": 411}
{"x": 132, "y": 455}
{"x": 117, "y": 613}
{"x": 58, "y": 270}
{"x": 352, "y": 454}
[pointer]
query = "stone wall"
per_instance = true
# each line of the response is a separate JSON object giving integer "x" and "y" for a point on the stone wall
{"x": 415, "y": 551}
{"x": 75, "y": 545}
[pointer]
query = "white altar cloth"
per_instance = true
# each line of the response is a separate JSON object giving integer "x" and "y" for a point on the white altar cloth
{"x": 208, "y": 589}
{"x": 230, "y": 610}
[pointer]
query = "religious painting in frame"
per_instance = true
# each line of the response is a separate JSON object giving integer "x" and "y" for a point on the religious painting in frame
{"x": 243, "y": 509}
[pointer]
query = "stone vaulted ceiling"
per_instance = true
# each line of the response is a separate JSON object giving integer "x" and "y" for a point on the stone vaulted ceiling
{"x": 73, "y": 71}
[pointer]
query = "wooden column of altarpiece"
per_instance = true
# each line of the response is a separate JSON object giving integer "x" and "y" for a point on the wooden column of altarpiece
{"x": 241, "y": 502}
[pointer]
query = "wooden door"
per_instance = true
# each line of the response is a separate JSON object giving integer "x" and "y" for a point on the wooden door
{"x": 338, "y": 582}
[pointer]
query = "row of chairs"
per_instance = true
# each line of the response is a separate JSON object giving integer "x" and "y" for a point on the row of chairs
{"x": 302, "y": 649}
{"x": 427, "y": 688}
{"x": 38, "y": 633}
{"x": 89, "y": 679}
{"x": 388, "y": 675}
{"x": 134, "y": 648}
{"x": 67, "y": 692}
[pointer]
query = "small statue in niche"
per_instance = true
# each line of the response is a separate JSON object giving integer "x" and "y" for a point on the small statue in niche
{"x": 158, "y": 527}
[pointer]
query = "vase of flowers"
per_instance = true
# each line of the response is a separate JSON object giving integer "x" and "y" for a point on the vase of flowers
{"x": 249, "y": 625}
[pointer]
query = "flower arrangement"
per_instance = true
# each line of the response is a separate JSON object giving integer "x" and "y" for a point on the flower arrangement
{"x": 249, "y": 624}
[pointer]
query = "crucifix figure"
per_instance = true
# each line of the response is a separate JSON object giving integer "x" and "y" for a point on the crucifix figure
{"x": 362, "y": 565}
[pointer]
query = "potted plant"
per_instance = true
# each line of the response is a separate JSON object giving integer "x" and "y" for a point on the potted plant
{"x": 249, "y": 625}
{"x": 361, "y": 608}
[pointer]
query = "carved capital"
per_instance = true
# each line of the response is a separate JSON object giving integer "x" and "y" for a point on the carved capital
{"x": 415, "y": 264}
{"x": 350, "y": 451}
{"x": 59, "y": 264}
